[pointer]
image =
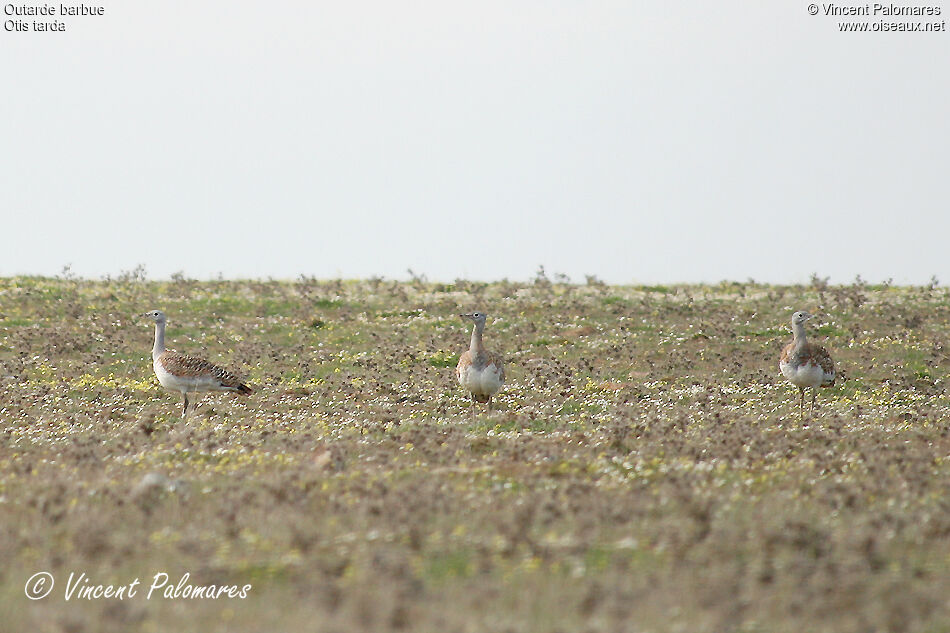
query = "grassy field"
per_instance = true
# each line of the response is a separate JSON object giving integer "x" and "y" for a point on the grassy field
{"x": 645, "y": 468}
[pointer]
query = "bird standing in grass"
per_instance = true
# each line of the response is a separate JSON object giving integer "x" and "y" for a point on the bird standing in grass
{"x": 188, "y": 374}
{"x": 481, "y": 372}
{"x": 805, "y": 364}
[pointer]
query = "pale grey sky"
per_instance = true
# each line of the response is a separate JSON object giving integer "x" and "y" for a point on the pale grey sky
{"x": 642, "y": 142}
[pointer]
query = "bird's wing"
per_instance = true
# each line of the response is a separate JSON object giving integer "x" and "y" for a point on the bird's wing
{"x": 498, "y": 361}
{"x": 193, "y": 367}
{"x": 786, "y": 352}
{"x": 465, "y": 361}
{"x": 818, "y": 355}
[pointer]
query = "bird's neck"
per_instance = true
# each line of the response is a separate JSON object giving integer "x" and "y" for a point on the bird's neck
{"x": 159, "y": 347}
{"x": 798, "y": 329}
{"x": 477, "y": 346}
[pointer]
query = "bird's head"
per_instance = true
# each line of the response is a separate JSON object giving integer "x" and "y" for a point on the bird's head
{"x": 800, "y": 317}
{"x": 478, "y": 317}
{"x": 156, "y": 315}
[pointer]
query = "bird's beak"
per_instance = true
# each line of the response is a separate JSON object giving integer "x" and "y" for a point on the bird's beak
{"x": 467, "y": 316}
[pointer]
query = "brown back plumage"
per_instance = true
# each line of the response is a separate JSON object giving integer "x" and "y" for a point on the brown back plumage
{"x": 192, "y": 366}
{"x": 811, "y": 354}
{"x": 465, "y": 360}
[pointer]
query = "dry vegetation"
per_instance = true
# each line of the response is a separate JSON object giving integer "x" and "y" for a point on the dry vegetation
{"x": 646, "y": 469}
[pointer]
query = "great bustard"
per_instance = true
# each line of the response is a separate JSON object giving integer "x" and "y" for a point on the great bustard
{"x": 188, "y": 374}
{"x": 806, "y": 364}
{"x": 481, "y": 372}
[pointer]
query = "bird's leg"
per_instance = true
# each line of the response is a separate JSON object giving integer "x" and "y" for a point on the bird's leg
{"x": 814, "y": 394}
{"x": 801, "y": 404}
{"x": 473, "y": 406}
{"x": 184, "y": 408}
{"x": 489, "y": 404}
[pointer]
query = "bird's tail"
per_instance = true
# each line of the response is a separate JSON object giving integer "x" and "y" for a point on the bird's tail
{"x": 244, "y": 389}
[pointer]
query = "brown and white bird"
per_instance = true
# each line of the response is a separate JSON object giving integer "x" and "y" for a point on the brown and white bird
{"x": 188, "y": 374}
{"x": 481, "y": 372}
{"x": 806, "y": 364}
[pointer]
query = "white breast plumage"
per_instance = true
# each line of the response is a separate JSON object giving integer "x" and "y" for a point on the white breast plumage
{"x": 806, "y": 375}
{"x": 484, "y": 382}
